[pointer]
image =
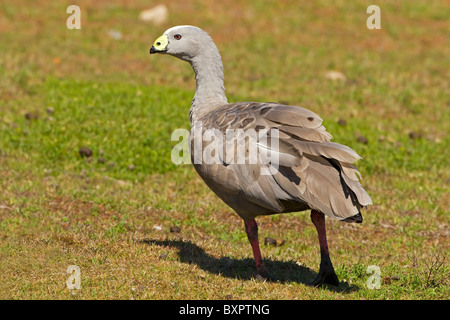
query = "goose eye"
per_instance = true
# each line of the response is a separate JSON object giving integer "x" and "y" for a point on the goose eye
{"x": 177, "y": 36}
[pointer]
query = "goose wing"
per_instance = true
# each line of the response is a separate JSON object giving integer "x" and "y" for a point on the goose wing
{"x": 311, "y": 171}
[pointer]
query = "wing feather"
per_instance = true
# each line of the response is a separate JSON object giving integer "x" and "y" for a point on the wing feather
{"x": 312, "y": 171}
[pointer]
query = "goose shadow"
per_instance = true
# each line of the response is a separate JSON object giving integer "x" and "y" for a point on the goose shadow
{"x": 243, "y": 269}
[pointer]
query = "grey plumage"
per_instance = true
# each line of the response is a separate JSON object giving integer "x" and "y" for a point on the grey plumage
{"x": 311, "y": 173}
{"x": 314, "y": 172}
{"x": 323, "y": 177}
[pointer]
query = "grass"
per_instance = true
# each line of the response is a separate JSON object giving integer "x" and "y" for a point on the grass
{"x": 111, "y": 214}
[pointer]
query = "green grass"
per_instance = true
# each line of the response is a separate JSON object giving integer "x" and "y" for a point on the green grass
{"x": 110, "y": 214}
{"x": 97, "y": 116}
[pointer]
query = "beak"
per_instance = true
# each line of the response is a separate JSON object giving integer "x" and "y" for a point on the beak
{"x": 153, "y": 50}
{"x": 160, "y": 45}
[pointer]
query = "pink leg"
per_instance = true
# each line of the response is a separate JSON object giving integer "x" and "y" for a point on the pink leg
{"x": 252, "y": 233}
{"x": 326, "y": 272}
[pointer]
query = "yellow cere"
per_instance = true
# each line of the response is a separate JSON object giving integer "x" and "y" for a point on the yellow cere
{"x": 161, "y": 43}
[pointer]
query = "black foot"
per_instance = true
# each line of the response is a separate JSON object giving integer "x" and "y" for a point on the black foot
{"x": 265, "y": 276}
{"x": 325, "y": 276}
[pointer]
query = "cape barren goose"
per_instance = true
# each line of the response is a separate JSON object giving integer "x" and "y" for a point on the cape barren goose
{"x": 310, "y": 172}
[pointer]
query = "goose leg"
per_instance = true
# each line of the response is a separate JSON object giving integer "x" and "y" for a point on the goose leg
{"x": 326, "y": 272}
{"x": 251, "y": 228}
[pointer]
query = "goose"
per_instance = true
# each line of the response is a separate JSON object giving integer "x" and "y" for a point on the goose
{"x": 310, "y": 172}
